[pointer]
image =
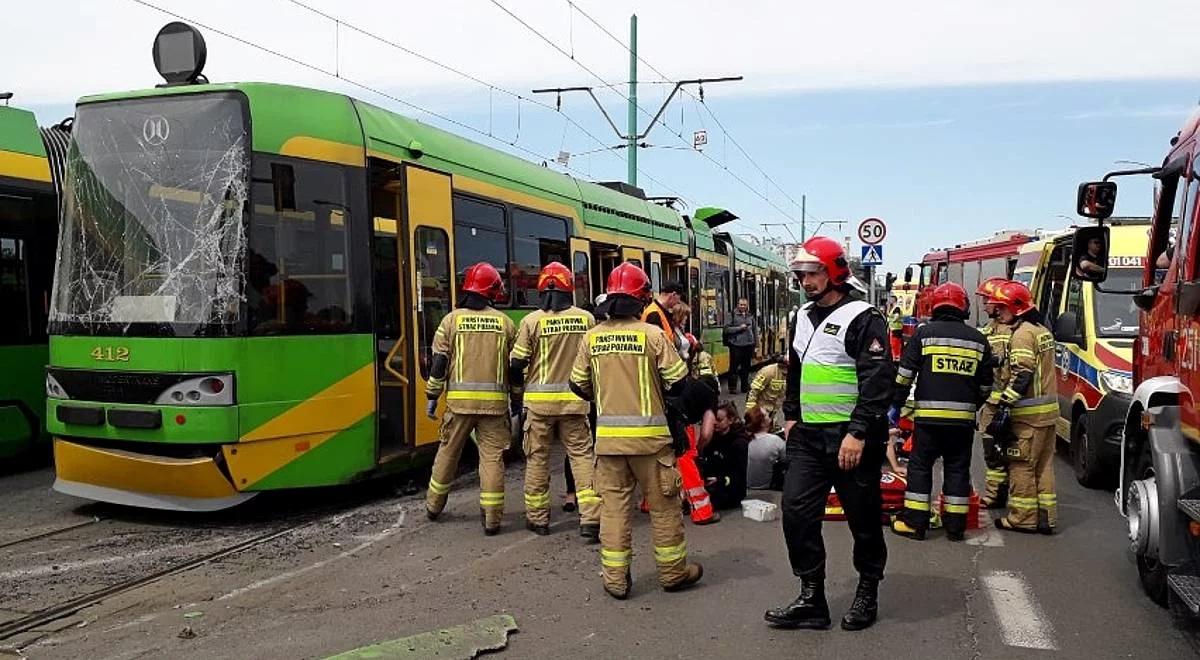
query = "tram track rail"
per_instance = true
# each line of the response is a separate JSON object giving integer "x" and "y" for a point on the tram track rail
{"x": 48, "y": 534}
{"x": 33, "y": 621}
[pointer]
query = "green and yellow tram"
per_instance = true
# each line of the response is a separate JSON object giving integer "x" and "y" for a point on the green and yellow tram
{"x": 250, "y": 276}
{"x": 28, "y": 227}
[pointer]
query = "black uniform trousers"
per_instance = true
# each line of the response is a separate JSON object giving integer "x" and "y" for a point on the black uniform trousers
{"x": 952, "y": 443}
{"x": 740, "y": 358}
{"x": 812, "y": 469}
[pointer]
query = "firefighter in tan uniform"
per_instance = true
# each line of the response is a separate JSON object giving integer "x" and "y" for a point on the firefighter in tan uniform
{"x": 548, "y": 341}
{"x": 995, "y": 494}
{"x": 470, "y": 358}
{"x": 627, "y": 366}
{"x": 1027, "y": 410}
{"x": 767, "y": 388}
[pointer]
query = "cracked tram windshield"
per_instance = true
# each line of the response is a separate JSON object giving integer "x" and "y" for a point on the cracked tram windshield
{"x": 153, "y": 237}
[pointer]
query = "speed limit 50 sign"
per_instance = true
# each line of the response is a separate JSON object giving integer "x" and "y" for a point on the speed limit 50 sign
{"x": 872, "y": 231}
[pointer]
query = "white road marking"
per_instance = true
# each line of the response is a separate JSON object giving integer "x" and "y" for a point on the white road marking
{"x": 1022, "y": 622}
{"x": 288, "y": 575}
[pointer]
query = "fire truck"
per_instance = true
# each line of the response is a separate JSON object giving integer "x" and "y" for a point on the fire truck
{"x": 1159, "y": 492}
{"x": 968, "y": 264}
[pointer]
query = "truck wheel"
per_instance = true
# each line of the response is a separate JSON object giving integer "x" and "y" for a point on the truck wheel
{"x": 1151, "y": 572}
{"x": 1085, "y": 455}
{"x": 1153, "y": 576}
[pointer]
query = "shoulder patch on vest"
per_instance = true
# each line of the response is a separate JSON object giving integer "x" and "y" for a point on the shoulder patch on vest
{"x": 832, "y": 328}
{"x": 876, "y": 346}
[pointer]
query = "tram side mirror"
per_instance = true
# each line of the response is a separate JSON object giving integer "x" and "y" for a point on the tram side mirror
{"x": 908, "y": 275}
{"x": 1089, "y": 254}
{"x": 1096, "y": 199}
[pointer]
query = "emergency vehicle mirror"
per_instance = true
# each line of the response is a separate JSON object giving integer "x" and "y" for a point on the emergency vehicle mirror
{"x": 1089, "y": 254}
{"x": 1096, "y": 199}
{"x": 908, "y": 275}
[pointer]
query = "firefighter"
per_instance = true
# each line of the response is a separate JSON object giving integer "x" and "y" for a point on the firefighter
{"x": 839, "y": 386}
{"x": 700, "y": 365}
{"x": 628, "y": 366}
{"x": 1027, "y": 408}
{"x": 470, "y": 351}
{"x": 995, "y": 494}
{"x": 547, "y": 342}
{"x": 951, "y": 363}
{"x": 766, "y": 391}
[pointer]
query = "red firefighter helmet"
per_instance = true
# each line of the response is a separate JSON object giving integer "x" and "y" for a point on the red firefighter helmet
{"x": 1013, "y": 295}
{"x": 823, "y": 252}
{"x": 557, "y": 277}
{"x": 484, "y": 279}
{"x": 629, "y": 280}
{"x": 989, "y": 285}
{"x": 950, "y": 295}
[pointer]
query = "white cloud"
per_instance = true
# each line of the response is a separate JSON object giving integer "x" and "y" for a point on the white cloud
{"x": 778, "y": 46}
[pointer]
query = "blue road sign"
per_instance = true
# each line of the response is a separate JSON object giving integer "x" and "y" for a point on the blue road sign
{"x": 872, "y": 255}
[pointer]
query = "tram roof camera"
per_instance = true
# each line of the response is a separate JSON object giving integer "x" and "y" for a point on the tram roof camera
{"x": 179, "y": 54}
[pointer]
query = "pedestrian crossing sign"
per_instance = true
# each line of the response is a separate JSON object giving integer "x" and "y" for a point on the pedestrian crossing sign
{"x": 872, "y": 255}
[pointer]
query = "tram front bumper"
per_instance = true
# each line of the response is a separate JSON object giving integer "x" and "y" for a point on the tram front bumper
{"x": 142, "y": 480}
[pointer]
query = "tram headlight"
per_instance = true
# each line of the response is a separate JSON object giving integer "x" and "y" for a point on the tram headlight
{"x": 53, "y": 389}
{"x": 213, "y": 390}
{"x": 1115, "y": 381}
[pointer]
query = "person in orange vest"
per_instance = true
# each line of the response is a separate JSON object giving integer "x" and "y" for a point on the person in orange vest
{"x": 629, "y": 368}
{"x": 659, "y": 311}
{"x": 470, "y": 353}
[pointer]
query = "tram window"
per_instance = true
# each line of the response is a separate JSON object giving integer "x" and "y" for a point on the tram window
{"x": 694, "y": 290}
{"x": 656, "y": 277}
{"x": 717, "y": 279}
{"x": 298, "y": 259}
{"x": 583, "y": 288}
{"x": 433, "y": 276}
{"x": 538, "y": 239}
{"x": 14, "y": 291}
{"x": 480, "y": 235}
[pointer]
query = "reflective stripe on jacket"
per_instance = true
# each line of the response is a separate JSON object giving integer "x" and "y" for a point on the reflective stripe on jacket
{"x": 1031, "y": 351}
{"x": 828, "y": 375}
{"x": 767, "y": 388}
{"x": 550, "y": 341}
{"x": 625, "y": 365}
{"x": 477, "y": 344}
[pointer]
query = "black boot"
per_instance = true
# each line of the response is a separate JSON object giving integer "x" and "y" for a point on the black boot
{"x": 865, "y": 607}
{"x": 590, "y": 532}
{"x": 809, "y": 610}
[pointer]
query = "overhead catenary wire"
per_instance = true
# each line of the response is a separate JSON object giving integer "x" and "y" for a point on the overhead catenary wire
{"x": 369, "y": 88}
{"x": 600, "y": 78}
{"x": 605, "y": 83}
{"x": 667, "y": 80}
{"x": 342, "y": 22}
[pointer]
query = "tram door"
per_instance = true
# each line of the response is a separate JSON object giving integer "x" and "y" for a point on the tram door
{"x": 430, "y": 271}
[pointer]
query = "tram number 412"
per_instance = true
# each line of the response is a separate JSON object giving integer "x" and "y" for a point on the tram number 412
{"x": 110, "y": 354}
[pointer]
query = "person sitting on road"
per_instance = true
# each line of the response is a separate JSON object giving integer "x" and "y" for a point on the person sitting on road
{"x": 766, "y": 456}
{"x": 723, "y": 460}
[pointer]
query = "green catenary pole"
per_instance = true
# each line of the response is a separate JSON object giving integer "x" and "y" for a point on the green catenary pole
{"x": 633, "y": 122}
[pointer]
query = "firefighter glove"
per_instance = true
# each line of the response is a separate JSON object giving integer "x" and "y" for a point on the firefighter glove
{"x": 1001, "y": 423}
{"x": 431, "y": 408}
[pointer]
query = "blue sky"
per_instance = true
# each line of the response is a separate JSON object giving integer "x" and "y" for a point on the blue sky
{"x": 949, "y": 124}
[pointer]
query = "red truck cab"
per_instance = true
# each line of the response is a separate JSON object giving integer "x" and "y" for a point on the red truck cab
{"x": 1159, "y": 491}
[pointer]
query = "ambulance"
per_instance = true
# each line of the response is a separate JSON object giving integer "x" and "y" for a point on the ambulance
{"x": 1095, "y": 329}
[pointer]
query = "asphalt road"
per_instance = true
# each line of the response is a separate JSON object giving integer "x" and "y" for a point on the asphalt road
{"x": 376, "y": 570}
